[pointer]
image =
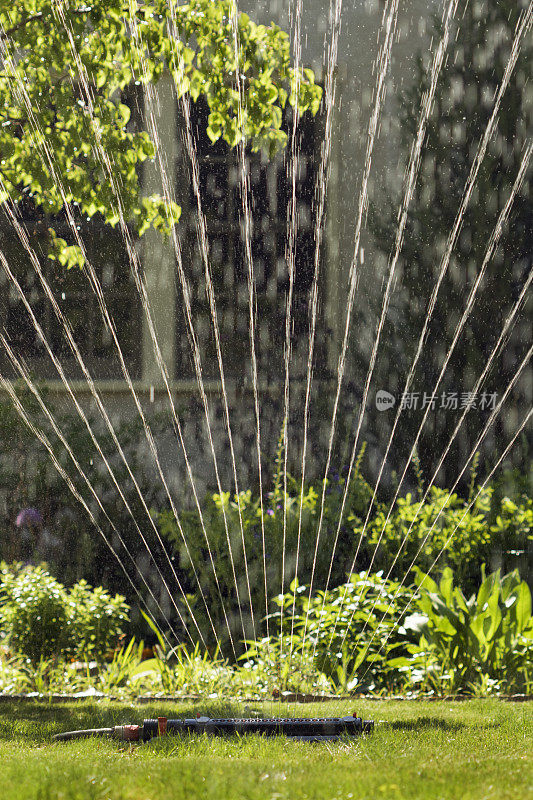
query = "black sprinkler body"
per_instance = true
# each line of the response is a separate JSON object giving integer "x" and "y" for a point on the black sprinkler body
{"x": 306, "y": 729}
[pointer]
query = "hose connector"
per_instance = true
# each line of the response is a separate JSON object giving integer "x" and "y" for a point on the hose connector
{"x": 127, "y": 733}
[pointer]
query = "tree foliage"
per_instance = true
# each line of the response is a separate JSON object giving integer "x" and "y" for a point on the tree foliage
{"x": 64, "y": 134}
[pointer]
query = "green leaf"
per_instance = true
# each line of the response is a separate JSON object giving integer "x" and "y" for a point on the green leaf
{"x": 153, "y": 627}
{"x": 214, "y": 132}
{"x": 523, "y": 607}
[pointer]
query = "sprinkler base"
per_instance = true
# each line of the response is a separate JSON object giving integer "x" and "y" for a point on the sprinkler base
{"x": 304, "y": 729}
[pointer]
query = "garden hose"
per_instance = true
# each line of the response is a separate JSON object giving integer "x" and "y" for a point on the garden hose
{"x": 307, "y": 729}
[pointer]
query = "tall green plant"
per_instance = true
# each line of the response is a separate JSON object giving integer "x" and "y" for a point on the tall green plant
{"x": 487, "y": 636}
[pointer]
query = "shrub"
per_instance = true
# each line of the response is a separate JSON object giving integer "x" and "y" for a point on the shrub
{"x": 341, "y": 629}
{"x": 34, "y": 613}
{"x": 281, "y": 541}
{"x": 41, "y": 619}
{"x": 97, "y": 619}
{"x": 469, "y": 537}
{"x": 270, "y": 669}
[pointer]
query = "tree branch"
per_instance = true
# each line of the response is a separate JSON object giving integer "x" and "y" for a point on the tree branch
{"x": 7, "y": 34}
{"x": 14, "y": 120}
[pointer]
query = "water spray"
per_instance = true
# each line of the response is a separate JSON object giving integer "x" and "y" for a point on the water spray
{"x": 303, "y": 729}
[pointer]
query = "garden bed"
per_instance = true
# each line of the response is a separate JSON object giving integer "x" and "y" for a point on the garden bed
{"x": 284, "y": 697}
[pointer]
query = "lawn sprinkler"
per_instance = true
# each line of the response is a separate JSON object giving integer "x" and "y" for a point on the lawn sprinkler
{"x": 304, "y": 729}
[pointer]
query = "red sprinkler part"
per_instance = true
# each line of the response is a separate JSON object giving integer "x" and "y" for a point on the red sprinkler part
{"x": 132, "y": 733}
{"x": 162, "y": 726}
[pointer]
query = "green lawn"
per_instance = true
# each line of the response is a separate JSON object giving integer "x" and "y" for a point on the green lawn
{"x": 478, "y": 749}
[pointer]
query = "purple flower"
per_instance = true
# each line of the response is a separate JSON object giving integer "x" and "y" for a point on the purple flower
{"x": 270, "y": 512}
{"x": 28, "y": 516}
